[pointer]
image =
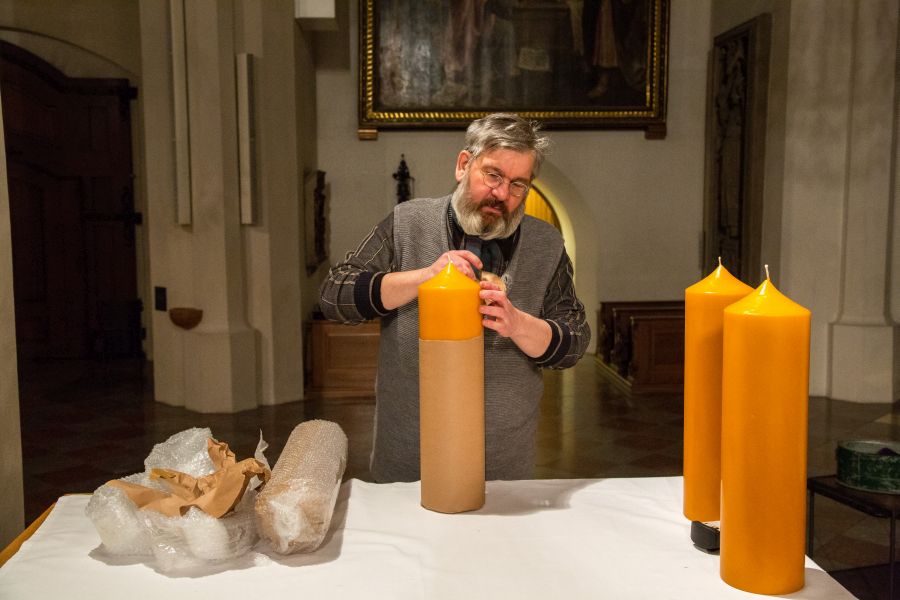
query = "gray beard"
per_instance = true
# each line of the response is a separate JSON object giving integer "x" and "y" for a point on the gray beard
{"x": 473, "y": 222}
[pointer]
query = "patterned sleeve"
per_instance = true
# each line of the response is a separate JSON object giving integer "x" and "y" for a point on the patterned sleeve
{"x": 562, "y": 309}
{"x": 352, "y": 291}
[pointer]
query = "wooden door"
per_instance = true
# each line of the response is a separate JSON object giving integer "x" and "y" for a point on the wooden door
{"x": 735, "y": 149}
{"x": 68, "y": 145}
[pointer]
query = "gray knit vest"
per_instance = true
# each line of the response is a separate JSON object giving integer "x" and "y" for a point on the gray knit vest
{"x": 513, "y": 384}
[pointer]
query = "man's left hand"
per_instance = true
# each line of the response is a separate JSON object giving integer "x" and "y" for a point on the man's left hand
{"x": 530, "y": 334}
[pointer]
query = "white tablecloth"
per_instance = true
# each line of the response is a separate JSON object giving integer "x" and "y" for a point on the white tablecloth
{"x": 547, "y": 539}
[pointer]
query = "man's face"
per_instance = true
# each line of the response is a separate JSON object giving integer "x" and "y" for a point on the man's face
{"x": 491, "y": 212}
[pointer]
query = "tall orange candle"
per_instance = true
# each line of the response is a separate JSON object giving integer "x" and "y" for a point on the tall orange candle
{"x": 704, "y": 303}
{"x": 451, "y": 393}
{"x": 765, "y": 397}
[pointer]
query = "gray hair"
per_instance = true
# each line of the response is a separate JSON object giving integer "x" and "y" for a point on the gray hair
{"x": 510, "y": 132}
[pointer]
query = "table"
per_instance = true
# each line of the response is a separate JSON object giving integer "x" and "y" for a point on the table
{"x": 579, "y": 538}
{"x": 871, "y": 503}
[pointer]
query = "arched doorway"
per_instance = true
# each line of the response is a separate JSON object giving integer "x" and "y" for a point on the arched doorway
{"x": 68, "y": 146}
{"x": 537, "y": 206}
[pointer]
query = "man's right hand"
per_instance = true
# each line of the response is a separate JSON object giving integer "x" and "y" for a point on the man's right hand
{"x": 401, "y": 287}
{"x": 463, "y": 260}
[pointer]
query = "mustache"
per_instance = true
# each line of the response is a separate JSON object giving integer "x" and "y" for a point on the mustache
{"x": 493, "y": 203}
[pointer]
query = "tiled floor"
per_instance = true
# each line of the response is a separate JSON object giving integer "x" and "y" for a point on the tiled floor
{"x": 86, "y": 423}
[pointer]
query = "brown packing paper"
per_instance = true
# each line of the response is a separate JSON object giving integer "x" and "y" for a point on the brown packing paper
{"x": 215, "y": 494}
{"x": 451, "y": 417}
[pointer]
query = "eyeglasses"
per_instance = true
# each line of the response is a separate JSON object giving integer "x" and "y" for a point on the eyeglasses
{"x": 493, "y": 180}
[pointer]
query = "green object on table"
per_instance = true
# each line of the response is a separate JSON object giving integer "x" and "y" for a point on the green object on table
{"x": 869, "y": 465}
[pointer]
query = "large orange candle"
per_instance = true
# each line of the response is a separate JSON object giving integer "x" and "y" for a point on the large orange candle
{"x": 451, "y": 393}
{"x": 765, "y": 397}
{"x": 704, "y": 303}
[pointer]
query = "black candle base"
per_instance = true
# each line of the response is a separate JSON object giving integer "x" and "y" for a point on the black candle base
{"x": 705, "y": 536}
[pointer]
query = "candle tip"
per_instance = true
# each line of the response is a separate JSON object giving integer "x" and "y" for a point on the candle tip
{"x": 720, "y": 261}
{"x": 767, "y": 272}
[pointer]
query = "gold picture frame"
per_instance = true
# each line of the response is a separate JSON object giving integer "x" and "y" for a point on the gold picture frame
{"x": 441, "y": 63}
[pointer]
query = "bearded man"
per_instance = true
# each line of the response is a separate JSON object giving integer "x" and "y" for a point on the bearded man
{"x": 533, "y": 320}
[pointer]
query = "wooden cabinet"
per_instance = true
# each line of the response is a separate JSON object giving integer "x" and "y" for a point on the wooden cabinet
{"x": 341, "y": 360}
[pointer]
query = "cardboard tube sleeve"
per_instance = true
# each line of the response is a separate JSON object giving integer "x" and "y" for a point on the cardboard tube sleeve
{"x": 451, "y": 412}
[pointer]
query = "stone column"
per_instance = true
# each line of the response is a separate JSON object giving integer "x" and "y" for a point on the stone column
{"x": 816, "y": 138}
{"x": 865, "y": 340}
{"x": 219, "y": 354}
{"x": 272, "y": 244}
{"x": 12, "y": 507}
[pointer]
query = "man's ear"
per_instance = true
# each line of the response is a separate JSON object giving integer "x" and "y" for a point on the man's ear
{"x": 462, "y": 161}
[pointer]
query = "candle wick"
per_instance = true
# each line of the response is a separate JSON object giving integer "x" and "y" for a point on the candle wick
{"x": 767, "y": 272}
{"x": 720, "y": 261}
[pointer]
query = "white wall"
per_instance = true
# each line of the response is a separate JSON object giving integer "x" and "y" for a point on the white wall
{"x": 636, "y": 204}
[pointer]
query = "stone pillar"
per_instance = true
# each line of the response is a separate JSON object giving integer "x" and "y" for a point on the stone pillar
{"x": 12, "y": 508}
{"x": 865, "y": 340}
{"x": 816, "y": 138}
{"x": 220, "y": 353}
{"x": 167, "y": 240}
{"x": 272, "y": 244}
{"x": 838, "y": 173}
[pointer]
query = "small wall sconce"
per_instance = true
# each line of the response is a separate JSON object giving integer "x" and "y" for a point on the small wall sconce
{"x": 404, "y": 181}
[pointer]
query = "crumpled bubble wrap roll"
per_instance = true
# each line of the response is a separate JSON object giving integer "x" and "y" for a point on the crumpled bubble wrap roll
{"x": 294, "y": 509}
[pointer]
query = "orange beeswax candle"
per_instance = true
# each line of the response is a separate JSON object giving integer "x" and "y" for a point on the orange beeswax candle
{"x": 704, "y": 303}
{"x": 765, "y": 398}
{"x": 451, "y": 393}
{"x": 448, "y": 307}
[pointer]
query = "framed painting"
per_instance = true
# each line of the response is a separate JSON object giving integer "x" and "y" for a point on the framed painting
{"x": 569, "y": 63}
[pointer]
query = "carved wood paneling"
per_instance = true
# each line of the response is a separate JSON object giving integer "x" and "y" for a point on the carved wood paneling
{"x": 735, "y": 148}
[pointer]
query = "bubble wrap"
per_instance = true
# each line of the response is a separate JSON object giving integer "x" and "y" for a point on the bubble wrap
{"x": 293, "y": 511}
{"x": 197, "y": 539}
{"x": 118, "y": 521}
{"x": 185, "y": 451}
{"x": 176, "y": 543}
{"x": 122, "y": 526}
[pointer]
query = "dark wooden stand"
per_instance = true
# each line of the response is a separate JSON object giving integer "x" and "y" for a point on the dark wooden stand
{"x": 870, "y": 503}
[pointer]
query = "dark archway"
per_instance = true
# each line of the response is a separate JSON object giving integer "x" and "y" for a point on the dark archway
{"x": 68, "y": 146}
